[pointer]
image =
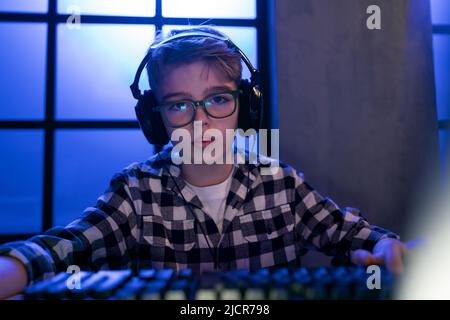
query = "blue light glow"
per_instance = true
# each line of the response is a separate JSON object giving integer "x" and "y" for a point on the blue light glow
{"x": 441, "y": 44}
{"x": 22, "y": 65}
{"x": 233, "y": 9}
{"x": 85, "y": 162}
{"x": 95, "y": 66}
{"x": 22, "y": 167}
{"x": 34, "y": 6}
{"x": 440, "y": 11}
{"x": 134, "y": 8}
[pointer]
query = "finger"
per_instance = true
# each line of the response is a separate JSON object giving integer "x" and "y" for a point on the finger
{"x": 362, "y": 257}
{"x": 394, "y": 259}
{"x": 358, "y": 256}
{"x": 378, "y": 258}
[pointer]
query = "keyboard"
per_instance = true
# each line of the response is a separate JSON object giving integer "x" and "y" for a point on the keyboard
{"x": 349, "y": 282}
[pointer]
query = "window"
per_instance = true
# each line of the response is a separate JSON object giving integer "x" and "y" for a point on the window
{"x": 135, "y": 8}
{"x": 440, "y": 11}
{"x": 22, "y": 177}
{"x": 231, "y": 9}
{"x": 101, "y": 72}
{"x": 22, "y": 84}
{"x": 440, "y": 16}
{"x": 67, "y": 120}
{"x": 81, "y": 154}
{"x": 33, "y": 6}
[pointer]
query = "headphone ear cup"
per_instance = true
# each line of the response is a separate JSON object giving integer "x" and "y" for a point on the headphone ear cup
{"x": 256, "y": 107}
{"x": 244, "y": 122}
{"x": 150, "y": 122}
{"x": 250, "y": 106}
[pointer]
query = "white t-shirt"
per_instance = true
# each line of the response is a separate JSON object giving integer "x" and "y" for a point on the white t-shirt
{"x": 214, "y": 198}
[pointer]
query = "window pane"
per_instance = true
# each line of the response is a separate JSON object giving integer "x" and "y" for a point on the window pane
{"x": 444, "y": 141}
{"x": 440, "y": 11}
{"x": 209, "y": 9}
{"x": 95, "y": 67}
{"x": 243, "y": 37}
{"x": 441, "y": 44}
{"x": 39, "y": 6}
{"x": 21, "y": 188}
{"x": 22, "y": 65}
{"x": 85, "y": 162}
{"x": 135, "y": 8}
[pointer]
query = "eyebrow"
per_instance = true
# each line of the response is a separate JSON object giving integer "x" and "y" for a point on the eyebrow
{"x": 205, "y": 92}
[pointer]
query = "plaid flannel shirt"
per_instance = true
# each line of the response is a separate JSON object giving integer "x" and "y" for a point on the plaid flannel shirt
{"x": 142, "y": 221}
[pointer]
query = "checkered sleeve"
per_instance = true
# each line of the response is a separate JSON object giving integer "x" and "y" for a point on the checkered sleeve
{"x": 325, "y": 227}
{"x": 102, "y": 238}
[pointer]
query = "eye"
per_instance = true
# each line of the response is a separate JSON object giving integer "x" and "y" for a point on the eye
{"x": 178, "y": 106}
{"x": 219, "y": 99}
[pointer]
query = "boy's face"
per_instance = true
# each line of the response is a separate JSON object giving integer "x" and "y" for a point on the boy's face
{"x": 195, "y": 81}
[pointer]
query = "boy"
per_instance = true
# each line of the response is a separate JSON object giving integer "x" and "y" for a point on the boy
{"x": 203, "y": 216}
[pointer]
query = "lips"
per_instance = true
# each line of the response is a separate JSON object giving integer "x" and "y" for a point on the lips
{"x": 204, "y": 142}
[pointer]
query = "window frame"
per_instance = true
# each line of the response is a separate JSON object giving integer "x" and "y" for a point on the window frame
{"x": 443, "y": 124}
{"x": 262, "y": 22}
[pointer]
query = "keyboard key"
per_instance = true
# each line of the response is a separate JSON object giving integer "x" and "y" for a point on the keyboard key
{"x": 112, "y": 282}
{"x": 131, "y": 290}
{"x": 39, "y": 290}
{"x": 153, "y": 290}
{"x": 147, "y": 274}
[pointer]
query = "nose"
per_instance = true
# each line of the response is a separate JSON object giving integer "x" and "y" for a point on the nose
{"x": 201, "y": 115}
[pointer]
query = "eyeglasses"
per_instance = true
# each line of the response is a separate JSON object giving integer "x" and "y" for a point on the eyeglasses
{"x": 182, "y": 112}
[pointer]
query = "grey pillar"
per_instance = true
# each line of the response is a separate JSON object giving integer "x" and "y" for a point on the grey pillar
{"x": 356, "y": 107}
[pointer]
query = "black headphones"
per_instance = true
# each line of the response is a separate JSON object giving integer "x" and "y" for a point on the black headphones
{"x": 250, "y": 100}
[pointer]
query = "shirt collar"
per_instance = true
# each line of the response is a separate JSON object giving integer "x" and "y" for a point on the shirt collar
{"x": 244, "y": 176}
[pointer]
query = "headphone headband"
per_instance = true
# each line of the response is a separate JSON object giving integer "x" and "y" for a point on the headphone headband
{"x": 254, "y": 73}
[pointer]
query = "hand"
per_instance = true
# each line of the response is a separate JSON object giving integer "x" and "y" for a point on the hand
{"x": 387, "y": 251}
{"x": 13, "y": 277}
